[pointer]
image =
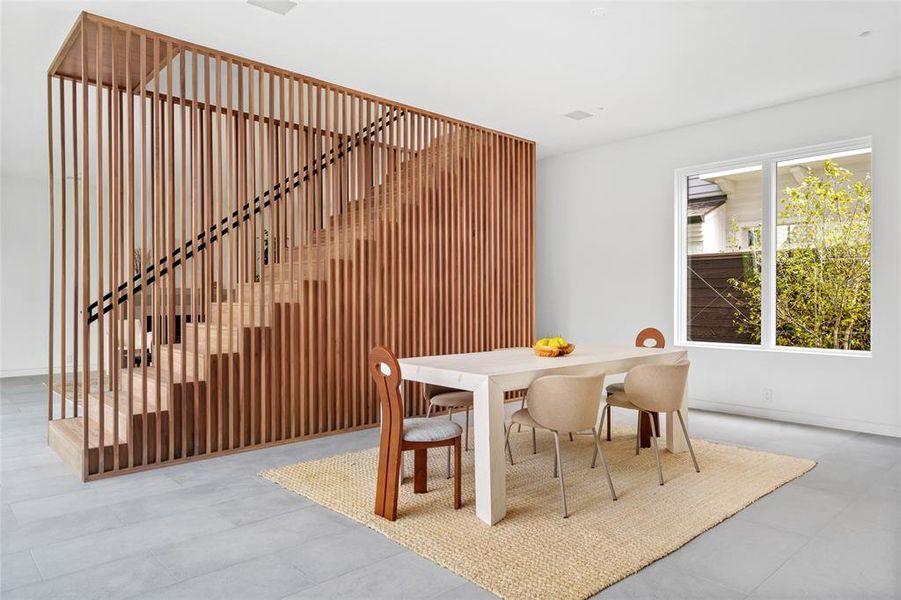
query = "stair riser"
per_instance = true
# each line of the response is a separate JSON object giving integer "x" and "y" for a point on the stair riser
{"x": 109, "y": 413}
{"x": 220, "y": 336}
{"x": 250, "y": 315}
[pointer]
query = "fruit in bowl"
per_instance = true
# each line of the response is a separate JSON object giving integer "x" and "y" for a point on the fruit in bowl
{"x": 553, "y": 346}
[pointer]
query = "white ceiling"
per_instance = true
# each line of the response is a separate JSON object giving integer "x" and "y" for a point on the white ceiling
{"x": 519, "y": 66}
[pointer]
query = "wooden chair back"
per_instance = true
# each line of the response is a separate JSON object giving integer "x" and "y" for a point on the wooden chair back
{"x": 650, "y": 334}
{"x": 385, "y": 372}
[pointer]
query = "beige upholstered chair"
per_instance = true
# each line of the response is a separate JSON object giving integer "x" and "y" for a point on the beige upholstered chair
{"x": 649, "y": 337}
{"x": 451, "y": 399}
{"x": 563, "y": 404}
{"x": 658, "y": 389}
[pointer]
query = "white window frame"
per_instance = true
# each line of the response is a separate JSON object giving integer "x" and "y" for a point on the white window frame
{"x": 768, "y": 163}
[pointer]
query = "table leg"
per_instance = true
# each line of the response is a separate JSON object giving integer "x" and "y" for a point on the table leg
{"x": 675, "y": 438}
{"x": 490, "y": 468}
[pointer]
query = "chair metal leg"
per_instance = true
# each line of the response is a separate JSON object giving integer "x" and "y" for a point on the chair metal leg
{"x": 656, "y": 449}
{"x": 466, "y": 438}
{"x": 597, "y": 451}
{"x": 534, "y": 442}
{"x": 428, "y": 411}
{"x": 600, "y": 429}
{"x": 688, "y": 442}
{"x": 555, "y": 461}
{"x": 558, "y": 461}
{"x": 450, "y": 415}
{"x": 571, "y": 436}
{"x": 507, "y": 442}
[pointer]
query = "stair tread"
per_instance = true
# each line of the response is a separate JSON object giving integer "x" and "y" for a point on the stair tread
{"x": 72, "y": 429}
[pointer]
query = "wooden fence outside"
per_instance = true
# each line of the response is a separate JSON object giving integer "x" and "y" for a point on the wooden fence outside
{"x": 712, "y": 307}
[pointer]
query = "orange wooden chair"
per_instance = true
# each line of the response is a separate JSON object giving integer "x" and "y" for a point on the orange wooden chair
{"x": 649, "y": 337}
{"x": 400, "y": 434}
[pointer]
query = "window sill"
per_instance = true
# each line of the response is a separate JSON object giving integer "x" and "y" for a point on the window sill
{"x": 777, "y": 349}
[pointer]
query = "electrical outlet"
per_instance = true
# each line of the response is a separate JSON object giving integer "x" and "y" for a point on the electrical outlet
{"x": 767, "y": 395}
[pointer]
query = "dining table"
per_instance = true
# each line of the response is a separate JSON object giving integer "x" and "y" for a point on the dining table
{"x": 490, "y": 374}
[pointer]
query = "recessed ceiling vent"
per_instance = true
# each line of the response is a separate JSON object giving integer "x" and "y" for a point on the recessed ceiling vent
{"x": 281, "y": 7}
{"x": 577, "y": 115}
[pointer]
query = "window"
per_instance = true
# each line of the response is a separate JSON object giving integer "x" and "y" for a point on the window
{"x": 724, "y": 211}
{"x": 774, "y": 251}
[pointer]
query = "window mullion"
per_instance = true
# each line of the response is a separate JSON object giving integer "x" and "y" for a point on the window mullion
{"x": 768, "y": 257}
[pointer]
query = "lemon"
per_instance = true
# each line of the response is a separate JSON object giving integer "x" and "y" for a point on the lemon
{"x": 542, "y": 342}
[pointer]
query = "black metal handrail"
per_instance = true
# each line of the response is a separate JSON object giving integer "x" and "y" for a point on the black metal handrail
{"x": 233, "y": 221}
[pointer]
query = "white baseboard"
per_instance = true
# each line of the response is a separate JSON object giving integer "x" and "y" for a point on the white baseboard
{"x": 4, "y": 374}
{"x": 847, "y": 424}
{"x": 22, "y": 372}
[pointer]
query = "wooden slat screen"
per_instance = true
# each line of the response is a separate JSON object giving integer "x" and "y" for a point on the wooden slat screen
{"x": 229, "y": 239}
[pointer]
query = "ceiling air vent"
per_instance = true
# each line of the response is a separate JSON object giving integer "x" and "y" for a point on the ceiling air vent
{"x": 577, "y": 115}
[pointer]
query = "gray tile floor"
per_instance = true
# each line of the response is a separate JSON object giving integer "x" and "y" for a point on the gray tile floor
{"x": 213, "y": 529}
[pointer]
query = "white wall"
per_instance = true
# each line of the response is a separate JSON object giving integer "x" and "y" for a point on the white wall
{"x": 23, "y": 189}
{"x": 605, "y": 247}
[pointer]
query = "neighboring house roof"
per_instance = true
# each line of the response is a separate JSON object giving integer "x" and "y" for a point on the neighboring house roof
{"x": 699, "y": 208}
{"x": 703, "y": 197}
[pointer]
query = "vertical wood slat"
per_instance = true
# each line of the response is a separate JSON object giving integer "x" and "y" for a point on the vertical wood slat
{"x": 113, "y": 203}
{"x": 51, "y": 240}
{"x": 156, "y": 224}
{"x": 218, "y": 212}
{"x": 168, "y": 184}
{"x": 254, "y": 389}
{"x": 130, "y": 199}
{"x": 143, "y": 260}
{"x": 329, "y": 220}
{"x": 86, "y": 255}
{"x": 64, "y": 250}
{"x": 228, "y": 281}
{"x": 189, "y": 195}
{"x": 101, "y": 375}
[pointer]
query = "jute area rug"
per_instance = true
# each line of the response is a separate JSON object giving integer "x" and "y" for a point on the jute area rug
{"x": 534, "y": 552}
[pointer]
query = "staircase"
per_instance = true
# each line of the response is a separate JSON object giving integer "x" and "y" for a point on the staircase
{"x": 234, "y": 379}
{"x": 266, "y": 228}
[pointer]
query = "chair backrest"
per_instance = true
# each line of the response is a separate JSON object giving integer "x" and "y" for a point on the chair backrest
{"x": 650, "y": 334}
{"x": 430, "y": 390}
{"x": 657, "y": 388}
{"x": 385, "y": 372}
{"x": 566, "y": 403}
